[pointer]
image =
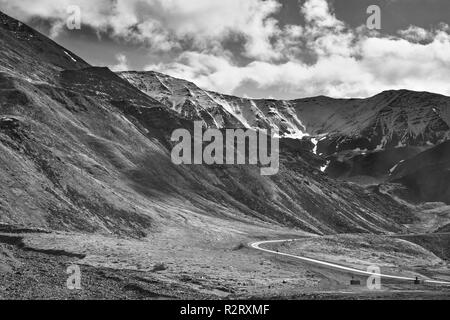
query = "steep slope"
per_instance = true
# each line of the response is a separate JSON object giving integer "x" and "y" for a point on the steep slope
{"x": 390, "y": 120}
{"x": 83, "y": 149}
{"x": 216, "y": 110}
{"x": 406, "y": 124}
{"x": 25, "y": 50}
{"x": 356, "y": 136}
{"x": 387, "y": 120}
{"x": 427, "y": 174}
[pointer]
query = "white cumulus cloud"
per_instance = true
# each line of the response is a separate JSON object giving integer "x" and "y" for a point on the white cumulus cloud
{"x": 347, "y": 63}
{"x": 122, "y": 63}
{"x": 323, "y": 56}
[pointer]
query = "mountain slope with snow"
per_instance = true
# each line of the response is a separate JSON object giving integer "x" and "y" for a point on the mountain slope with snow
{"x": 85, "y": 150}
{"x": 388, "y": 120}
{"x": 361, "y": 140}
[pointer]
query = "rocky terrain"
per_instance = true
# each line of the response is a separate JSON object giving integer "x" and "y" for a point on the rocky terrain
{"x": 359, "y": 140}
{"x": 427, "y": 174}
{"x": 87, "y": 178}
{"x": 85, "y": 150}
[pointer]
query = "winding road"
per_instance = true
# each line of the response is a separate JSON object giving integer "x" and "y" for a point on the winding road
{"x": 257, "y": 246}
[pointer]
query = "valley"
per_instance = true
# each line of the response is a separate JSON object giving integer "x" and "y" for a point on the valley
{"x": 87, "y": 179}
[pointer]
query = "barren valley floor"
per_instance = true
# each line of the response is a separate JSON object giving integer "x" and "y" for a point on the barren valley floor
{"x": 179, "y": 265}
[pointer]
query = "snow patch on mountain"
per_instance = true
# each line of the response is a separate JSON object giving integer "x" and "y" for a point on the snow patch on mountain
{"x": 72, "y": 58}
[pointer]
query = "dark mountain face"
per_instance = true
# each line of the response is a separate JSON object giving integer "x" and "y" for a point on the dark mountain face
{"x": 356, "y": 137}
{"x": 427, "y": 174}
{"x": 30, "y": 55}
{"x": 389, "y": 120}
{"x": 394, "y": 119}
{"x": 83, "y": 149}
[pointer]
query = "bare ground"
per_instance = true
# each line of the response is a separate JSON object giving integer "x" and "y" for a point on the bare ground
{"x": 179, "y": 264}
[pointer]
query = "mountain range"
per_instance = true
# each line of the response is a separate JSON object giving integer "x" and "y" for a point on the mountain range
{"x": 87, "y": 149}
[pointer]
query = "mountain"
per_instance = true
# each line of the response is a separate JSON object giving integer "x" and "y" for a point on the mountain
{"x": 389, "y": 120}
{"x": 24, "y": 49}
{"x": 428, "y": 174}
{"x": 355, "y": 137}
{"x": 86, "y": 150}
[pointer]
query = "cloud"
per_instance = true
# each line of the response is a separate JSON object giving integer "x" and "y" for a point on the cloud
{"x": 318, "y": 14}
{"x": 323, "y": 56}
{"x": 122, "y": 63}
{"x": 416, "y": 34}
{"x": 165, "y": 25}
{"x": 346, "y": 63}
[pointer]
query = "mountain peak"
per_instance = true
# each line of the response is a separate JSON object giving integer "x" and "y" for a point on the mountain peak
{"x": 28, "y": 54}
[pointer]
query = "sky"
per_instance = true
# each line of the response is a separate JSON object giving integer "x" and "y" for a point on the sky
{"x": 282, "y": 49}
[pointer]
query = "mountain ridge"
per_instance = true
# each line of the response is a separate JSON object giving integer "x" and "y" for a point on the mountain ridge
{"x": 379, "y": 108}
{"x": 85, "y": 150}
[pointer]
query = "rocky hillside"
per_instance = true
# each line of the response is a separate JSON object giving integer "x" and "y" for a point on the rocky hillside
{"x": 356, "y": 136}
{"x": 391, "y": 119}
{"x": 83, "y": 149}
{"x": 428, "y": 174}
{"x": 29, "y": 55}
